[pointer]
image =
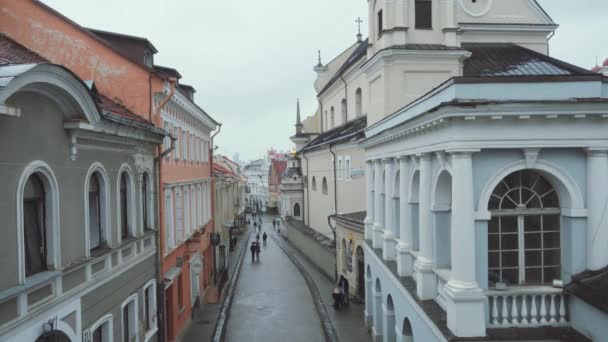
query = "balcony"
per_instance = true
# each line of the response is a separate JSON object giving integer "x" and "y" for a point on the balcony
{"x": 527, "y": 306}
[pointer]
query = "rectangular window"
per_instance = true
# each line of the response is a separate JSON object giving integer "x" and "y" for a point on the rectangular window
{"x": 179, "y": 216}
{"x": 180, "y": 292}
{"x": 380, "y": 23}
{"x": 149, "y": 307}
{"x": 177, "y": 142}
{"x": 424, "y": 14}
{"x": 347, "y": 175}
{"x": 184, "y": 145}
{"x": 186, "y": 213}
{"x": 167, "y": 140}
{"x": 339, "y": 168}
{"x": 192, "y": 147}
{"x": 169, "y": 232}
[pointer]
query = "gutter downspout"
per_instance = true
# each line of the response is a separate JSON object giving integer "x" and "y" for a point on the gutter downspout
{"x": 160, "y": 289}
{"x": 307, "y": 192}
{"x": 334, "y": 214}
{"x": 548, "y": 46}
{"x": 212, "y": 196}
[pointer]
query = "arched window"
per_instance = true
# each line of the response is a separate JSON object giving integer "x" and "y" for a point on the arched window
{"x": 324, "y": 186}
{"x": 101, "y": 331}
{"x": 35, "y": 226}
{"x": 326, "y": 126}
{"x": 358, "y": 102}
{"x": 146, "y": 201}
{"x": 296, "y": 210}
{"x": 124, "y": 205}
{"x": 344, "y": 112}
{"x": 406, "y": 331}
{"x": 524, "y": 232}
{"x": 332, "y": 117}
{"x": 314, "y": 183}
{"x": 390, "y": 320}
{"x": 97, "y": 237}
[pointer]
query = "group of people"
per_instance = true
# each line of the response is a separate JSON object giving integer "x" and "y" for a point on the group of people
{"x": 255, "y": 245}
{"x": 340, "y": 293}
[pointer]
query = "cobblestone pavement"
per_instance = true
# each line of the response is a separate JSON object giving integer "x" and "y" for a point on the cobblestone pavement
{"x": 272, "y": 301}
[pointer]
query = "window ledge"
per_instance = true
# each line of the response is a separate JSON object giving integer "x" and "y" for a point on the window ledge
{"x": 30, "y": 282}
{"x": 523, "y": 289}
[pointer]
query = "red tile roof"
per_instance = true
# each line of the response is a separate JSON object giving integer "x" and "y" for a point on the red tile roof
{"x": 12, "y": 52}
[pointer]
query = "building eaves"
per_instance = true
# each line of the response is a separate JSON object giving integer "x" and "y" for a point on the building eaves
{"x": 124, "y": 36}
{"x": 351, "y": 131}
{"x": 360, "y": 52}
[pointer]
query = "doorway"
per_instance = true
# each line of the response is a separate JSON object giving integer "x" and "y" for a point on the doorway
{"x": 360, "y": 273}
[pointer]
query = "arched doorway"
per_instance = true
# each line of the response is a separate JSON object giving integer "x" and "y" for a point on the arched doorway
{"x": 360, "y": 273}
{"x": 296, "y": 210}
{"x": 391, "y": 336}
{"x": 524, "y": 231}
{"x": 442, "y": 219}
{"x": 378, "y": 326}
{"x": 406, "y": 331}
{"x": 54, "y": 336}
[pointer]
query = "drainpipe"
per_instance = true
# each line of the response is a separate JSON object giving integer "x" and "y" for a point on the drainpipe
{"x": 160, "y": 290}
{"x": 212, "y": 196}
{"x": 335, "y": 213}
{"x": 333, "y": 229}
{"x": 307, "y": 191}
{"x": 548, "y": 46}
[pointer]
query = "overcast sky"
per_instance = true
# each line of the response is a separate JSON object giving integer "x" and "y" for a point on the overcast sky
{"x": 250, "y": 60}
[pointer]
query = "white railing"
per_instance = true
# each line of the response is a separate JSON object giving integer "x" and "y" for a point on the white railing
{"x": 527, "y": 307}
{"x": 441, "y": 298}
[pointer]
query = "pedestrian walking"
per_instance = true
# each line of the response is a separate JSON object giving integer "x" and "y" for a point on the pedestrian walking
{"x": 257, "y": 251}
{"x": 257, "y": 237}
{"x": 274, "y": 224}
{"x": 343, "y": 284}
{"x": 255, "y": 224}
{"x": 264, "y": 237}
{"x": 252, "y": 249}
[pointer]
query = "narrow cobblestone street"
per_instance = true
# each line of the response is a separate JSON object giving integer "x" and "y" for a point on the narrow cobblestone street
{"x": 271, "y": 300}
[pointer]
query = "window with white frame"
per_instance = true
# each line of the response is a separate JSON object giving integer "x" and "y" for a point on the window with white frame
{"x": 124, "y": 205}
{"x": 184, "y": 145}
{"x": 193, "y": 207}
{"x": 179, "y": 216}
{"x": 169, "y": 231}
{"x": 347, "y": 168}
{"x": 339, "y": 168}
{"x": 199, "y": 211}
{"x": 149, "y": 319}
{"x": 96, "y": 210}
{"x": 192, "y": 147}
{"x": 35, "y": 224}
{"x": 102, "y": 330}
{"x": 186, "y": 213}
{"x": 129, "y": 319}
{"x": 177, "y": 142}
{"x": 146, "y": 201}
{"x": 167, "y": 140}
{"x": 524, "y": 231}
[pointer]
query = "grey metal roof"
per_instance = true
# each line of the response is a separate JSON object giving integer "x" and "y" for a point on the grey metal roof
{"x": 360, "y": 52}
{"x": 507, "y": 59}
{"x": 351, "y": 131}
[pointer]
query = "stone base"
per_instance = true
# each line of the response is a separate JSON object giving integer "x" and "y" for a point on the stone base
{"x": 466, "y": 311}
{"x": 388, "y": 248}
{"x": 368, "y": 319}
{"x": 426, "y": 282}
{"x": 405, "y": 261}
{"x": 377, "y": 237}
{"x": 376, "y": 336}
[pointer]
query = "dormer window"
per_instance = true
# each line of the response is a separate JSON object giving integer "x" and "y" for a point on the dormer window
{"x": 424, "y": 14}
{"x": 380, "y": 24}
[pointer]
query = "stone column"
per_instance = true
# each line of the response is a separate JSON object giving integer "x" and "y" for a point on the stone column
{"x": 466, "y": 301}
{"x": 426, "y": 283}
{"x": 369, "y": 218}
{"x": 404, "y": 244}
{"x": 378, "y": 222}
{"x": 597, "y": 235}
{"x": 388, "y": 246}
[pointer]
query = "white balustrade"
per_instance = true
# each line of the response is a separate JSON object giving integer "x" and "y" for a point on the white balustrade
{"x": 441, "y": 298}
{"x": 527, "y": 307}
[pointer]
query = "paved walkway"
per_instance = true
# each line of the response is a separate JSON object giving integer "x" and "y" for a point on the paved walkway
{"x": 201, "y": 328}
{"x": 271, "y": 301}
{"x": 348, "y": 321}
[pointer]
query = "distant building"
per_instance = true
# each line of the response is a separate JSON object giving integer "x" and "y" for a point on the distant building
{"x": 275, "y": 174}
{"x": 256, "y": 192}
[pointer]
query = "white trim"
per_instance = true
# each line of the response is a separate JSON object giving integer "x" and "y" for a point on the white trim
{"x": 104, "y": 199}
{"x": 169, "y": 218}
{"x": 131, "y": 202}
{"x": 566, "y": 185}
{"x": 150, "y": 333}
{"x": 53, "y": 215}
{"x": 131, "y": 299}
{"x": 107, "y": 333}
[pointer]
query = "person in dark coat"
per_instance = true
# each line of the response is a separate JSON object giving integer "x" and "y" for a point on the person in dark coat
{"x": 253, "y": 248}
{"x": 274, "y": 224}
{"x": 257, "y": 251}
{"x": 257, "y": 237}
{"x": 264, "y": 237}
{"x": 343, "y": 284}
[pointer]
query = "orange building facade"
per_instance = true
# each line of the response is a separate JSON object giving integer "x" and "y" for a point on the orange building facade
{"x": 122, "y": 69}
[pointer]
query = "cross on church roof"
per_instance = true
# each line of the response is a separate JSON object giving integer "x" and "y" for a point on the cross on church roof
{"x": 359, "y": 35}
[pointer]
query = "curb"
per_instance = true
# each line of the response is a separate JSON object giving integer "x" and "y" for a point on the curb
{"x": 328, "y": 327}
{"x": 219, "y": 331}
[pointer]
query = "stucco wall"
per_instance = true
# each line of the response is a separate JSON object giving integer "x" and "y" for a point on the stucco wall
{"x": 588, "y": 320}
{"x": 357, "y": 240}
{"x": 319, "y": 204}
{"x": 320, "y": 256}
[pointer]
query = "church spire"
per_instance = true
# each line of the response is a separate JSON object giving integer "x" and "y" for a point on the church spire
{"x": 319, "y": 67}
{"x": 299, "y": 125}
